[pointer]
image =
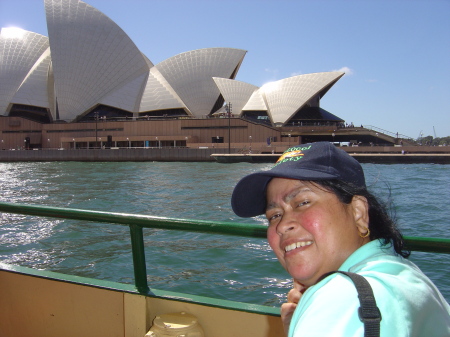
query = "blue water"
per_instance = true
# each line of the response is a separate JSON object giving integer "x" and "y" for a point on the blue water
{"x": 234, "y": 268}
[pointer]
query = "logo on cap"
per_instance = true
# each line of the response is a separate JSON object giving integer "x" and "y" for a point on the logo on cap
{"x": 292, "y": 154}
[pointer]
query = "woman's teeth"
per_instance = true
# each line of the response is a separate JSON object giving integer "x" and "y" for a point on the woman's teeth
{"x": 297, "y": 245}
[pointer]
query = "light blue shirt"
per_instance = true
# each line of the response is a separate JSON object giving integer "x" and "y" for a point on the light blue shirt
{"x": 410, "y": 304}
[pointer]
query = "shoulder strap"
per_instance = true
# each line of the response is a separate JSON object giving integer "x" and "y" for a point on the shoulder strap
{"x": 368, "y": 312}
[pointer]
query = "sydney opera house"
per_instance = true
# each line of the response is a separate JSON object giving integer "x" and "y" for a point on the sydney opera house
{"x": 88, "y": 85}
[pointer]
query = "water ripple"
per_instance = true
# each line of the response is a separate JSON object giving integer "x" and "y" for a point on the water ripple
{"x": 241, "y": 269}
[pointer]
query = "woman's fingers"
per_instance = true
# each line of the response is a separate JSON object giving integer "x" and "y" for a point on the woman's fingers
{"x": 293, "y": 296}
{"x": 288, "y": 308}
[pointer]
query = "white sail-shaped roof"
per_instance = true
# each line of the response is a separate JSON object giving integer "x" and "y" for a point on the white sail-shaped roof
{"x": 91, "y": 56}
{"x": 89, "y": 61}
{"x": 33, "y": 90}
{"x": 191, "y": 74}
{"x": 285, "y": 97}
{"x": 235, "y": 92}
{"x": 19, "y": 52}
{"x": 158, "y": 94}
{"x": 128, "y": 96}
{"x": 256, "y": 102}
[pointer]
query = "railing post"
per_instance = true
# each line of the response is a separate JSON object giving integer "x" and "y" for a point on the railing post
{"x": 140, "y": 269}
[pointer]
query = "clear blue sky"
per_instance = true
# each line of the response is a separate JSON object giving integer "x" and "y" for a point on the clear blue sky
{"x": 396, "y": 53}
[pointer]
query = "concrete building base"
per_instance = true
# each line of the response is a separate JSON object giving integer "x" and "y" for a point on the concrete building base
{"x": 108, "y": 155}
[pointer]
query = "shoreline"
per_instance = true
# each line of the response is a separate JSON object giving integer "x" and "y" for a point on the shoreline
{"x": 378, "y": 155}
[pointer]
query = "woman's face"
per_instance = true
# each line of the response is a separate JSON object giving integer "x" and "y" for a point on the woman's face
{"x": 310, "y": 230}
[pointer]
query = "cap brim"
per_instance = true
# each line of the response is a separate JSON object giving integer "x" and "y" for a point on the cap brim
{"x": 249, "y": 195}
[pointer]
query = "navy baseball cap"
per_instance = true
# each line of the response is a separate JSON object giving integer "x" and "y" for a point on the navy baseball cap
{"x": 310, "y": 162}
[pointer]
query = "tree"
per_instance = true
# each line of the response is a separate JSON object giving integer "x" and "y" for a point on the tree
{"x": 430, "y": 141}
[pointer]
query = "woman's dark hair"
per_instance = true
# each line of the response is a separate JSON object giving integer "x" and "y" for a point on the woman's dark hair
{"x": 381, "y": 224}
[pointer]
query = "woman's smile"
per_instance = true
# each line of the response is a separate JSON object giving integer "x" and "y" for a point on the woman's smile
{"x": 297, "y": 245}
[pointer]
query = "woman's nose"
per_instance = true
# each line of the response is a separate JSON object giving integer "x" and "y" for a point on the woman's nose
{"x": 287, "y": 223}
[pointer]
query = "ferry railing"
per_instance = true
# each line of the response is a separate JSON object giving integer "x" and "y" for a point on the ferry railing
{"x": 137, "y": 222}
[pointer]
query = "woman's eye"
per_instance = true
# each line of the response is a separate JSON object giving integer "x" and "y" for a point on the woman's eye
{"x": 304, "y": 202}
{"x": 273, "y": 217}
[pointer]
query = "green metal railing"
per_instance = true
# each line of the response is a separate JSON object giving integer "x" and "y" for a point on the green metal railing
{"x": 136, "y": 224}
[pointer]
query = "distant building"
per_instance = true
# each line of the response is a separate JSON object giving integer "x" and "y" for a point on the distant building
{"x": 88, "y": 69}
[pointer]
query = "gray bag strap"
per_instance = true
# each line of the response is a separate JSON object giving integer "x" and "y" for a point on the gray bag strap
{"x": 368, "y": 311}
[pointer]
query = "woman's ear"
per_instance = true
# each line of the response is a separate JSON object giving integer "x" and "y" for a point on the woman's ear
{"x": 360, "y": 209}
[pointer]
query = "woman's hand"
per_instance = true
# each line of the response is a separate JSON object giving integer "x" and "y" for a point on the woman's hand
{"x": 288, "y": 308}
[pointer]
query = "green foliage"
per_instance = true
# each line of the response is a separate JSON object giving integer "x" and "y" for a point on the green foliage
{"x": 430, "y": 141}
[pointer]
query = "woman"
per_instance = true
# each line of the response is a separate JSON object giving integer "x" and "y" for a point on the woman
{"x": 323, "y": 219}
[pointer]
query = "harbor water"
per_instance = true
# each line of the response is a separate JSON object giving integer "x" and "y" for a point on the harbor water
{"x": 227, "y": 267}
